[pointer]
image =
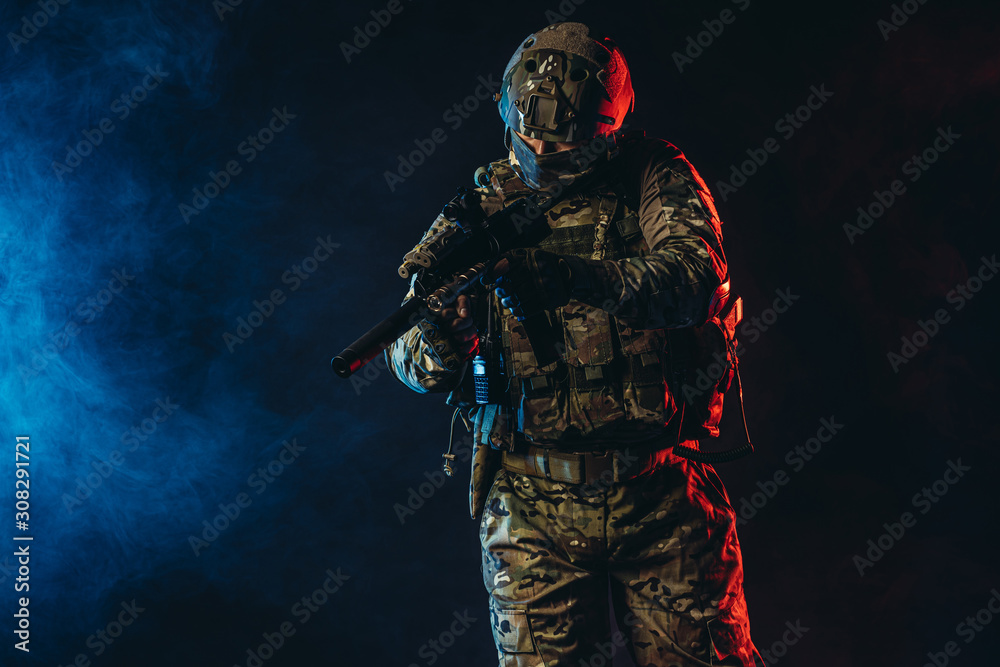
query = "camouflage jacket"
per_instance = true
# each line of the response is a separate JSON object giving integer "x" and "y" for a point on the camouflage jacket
{"x": 652, "y": 223}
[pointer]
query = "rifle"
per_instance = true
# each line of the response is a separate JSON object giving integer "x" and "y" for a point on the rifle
{"x": 451, "y": 262}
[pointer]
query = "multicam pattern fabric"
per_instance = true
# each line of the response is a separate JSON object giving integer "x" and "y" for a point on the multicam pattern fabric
{"x": 666, "y": 540}
{"x": 659, "y": 272}
{"x": 664, "y": 259}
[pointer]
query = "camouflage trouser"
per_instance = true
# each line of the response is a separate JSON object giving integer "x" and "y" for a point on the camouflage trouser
{"x": 666, "y": 542}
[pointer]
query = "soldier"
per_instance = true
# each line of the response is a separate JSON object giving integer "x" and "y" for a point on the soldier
{"x": 574, "y": 472}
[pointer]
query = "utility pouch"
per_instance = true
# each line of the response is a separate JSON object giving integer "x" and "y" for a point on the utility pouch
{"x": 703, "y": 363}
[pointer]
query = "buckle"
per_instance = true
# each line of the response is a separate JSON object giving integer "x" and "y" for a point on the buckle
{"x": 589, "y": 377}
{"x": 596, "y": 466}
{"x": 648, "y": 358}
{"x": 719, "y": 298}
{"x": 629, "y": 227}
{"x": 537, "y": 385}
{"x": 645, "y": 369}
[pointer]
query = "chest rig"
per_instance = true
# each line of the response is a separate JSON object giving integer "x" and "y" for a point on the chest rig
{"x": 609, "y": 385}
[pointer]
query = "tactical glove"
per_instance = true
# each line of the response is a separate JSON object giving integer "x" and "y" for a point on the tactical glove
{"x": 536, "y": 280}
{"x": 452, "y": 335}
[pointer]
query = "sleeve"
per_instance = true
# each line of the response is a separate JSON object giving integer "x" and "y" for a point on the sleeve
{"x": 672, "y": 285}
{"x": 424, "y": 358}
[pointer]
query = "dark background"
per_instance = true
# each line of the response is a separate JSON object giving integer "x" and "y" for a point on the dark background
{"x": 368, "y": 446}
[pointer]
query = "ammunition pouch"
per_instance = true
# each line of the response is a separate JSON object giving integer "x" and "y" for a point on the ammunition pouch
{"x": 703, "y": 363}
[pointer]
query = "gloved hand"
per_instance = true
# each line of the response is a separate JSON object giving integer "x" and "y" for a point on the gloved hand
{"x": 452, "y": 334}
{"x": 457, "y": 323}
{"x": 530, "y": 280}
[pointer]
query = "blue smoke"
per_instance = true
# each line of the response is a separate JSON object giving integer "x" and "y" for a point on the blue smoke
{"x": 114, "y": 301}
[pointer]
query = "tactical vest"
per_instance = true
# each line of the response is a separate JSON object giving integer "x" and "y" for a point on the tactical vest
{"x": 610, "y": 385}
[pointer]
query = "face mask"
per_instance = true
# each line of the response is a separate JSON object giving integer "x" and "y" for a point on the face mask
{"x": 548, "y": 171}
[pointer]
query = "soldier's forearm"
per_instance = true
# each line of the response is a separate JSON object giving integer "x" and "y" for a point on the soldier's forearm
{"x": 665, "y": 289}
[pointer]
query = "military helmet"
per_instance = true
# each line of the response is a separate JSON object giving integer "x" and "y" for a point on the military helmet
{"x": 563, "y": 85}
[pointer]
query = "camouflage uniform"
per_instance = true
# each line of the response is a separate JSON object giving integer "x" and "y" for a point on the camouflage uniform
{"x": 658, "y": 527}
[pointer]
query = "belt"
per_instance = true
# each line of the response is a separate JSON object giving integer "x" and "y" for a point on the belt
{"x": 583, "y": 467}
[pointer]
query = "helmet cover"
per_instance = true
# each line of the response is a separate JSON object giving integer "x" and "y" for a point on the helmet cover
{"x": 562, "y": 85}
